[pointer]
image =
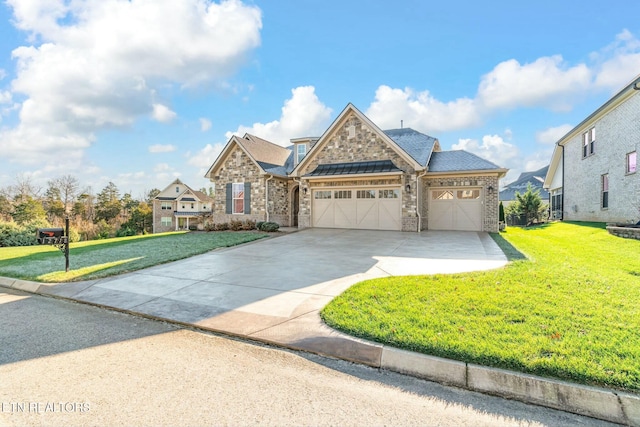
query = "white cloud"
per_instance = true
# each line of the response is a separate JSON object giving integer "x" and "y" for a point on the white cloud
{"x": 619, "y": 62}
{"x": 302, "y": 115}
{"x": 162, "y": 113}
{"x": 205, "y": 124}
{"x": 493, "y": 148}
{"x": 5, "y": 97}
{"x": 553, "y": 134}
{"x": 109, "y": 57}
{"x": 162, "y": 148}
{"x": 204, "y": 158}
{"x": 162, "y": 167}
{"x": 421, "y": 111}
{"x": 545, "y": 82}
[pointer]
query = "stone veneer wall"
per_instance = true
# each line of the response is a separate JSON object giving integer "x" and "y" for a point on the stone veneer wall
{"x": 353, "y": 141}
{"x": 624, "y": 232}
{"x": 237, "y": 167}
{"x": 279, "y": 201}
{"x": 616, "y": 136}
{"x": 491, "y": 202}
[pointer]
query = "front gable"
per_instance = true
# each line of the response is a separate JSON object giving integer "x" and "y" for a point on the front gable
{"x": 172, "y": 191}
{"x": 354, "y": 138}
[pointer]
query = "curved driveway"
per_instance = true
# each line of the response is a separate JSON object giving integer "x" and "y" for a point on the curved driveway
{"x": 273, "y": 289}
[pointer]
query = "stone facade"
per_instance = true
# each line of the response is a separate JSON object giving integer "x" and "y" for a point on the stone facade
{"x": 616, "y": 136}
{"x": 354, "y": 141}
{"x": 624, "y": 232}
{"x": 491, "y": 202}
{"x": 237, "y": 167}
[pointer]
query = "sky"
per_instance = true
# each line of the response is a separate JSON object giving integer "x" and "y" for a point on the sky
{"x": 141, "y": 92}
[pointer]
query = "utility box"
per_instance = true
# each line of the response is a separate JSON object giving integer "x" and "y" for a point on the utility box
{"x": 50, "y": 236}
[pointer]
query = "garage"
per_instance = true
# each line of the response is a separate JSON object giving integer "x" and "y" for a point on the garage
{"x": 455, "y": 209}
{"x": 359, "y": 208}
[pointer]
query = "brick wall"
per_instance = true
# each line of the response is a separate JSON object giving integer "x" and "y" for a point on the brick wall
{"x": 616, "y": 135}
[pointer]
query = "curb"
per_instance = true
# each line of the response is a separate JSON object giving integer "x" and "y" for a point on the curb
{"x": 604, "y": 404}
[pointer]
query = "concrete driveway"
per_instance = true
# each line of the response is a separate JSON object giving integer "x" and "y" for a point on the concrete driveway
{"x": 273, "y": 289}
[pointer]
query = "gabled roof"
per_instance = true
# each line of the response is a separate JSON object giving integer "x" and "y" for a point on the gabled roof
{"x": 350, "y": 108}
{"x": 460, "y": 161}
{"x": 416, "y": 144}
{"x": 188, "y": 191}
{"x": 628, "y": 91}
{"x": 269, "y": 157}
{"x": 535, "y": 178}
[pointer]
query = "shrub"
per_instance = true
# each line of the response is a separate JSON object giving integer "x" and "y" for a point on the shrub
{"x": 235, "y": 225}
{"x": 12, "y": 234}
{"x": 249, "y": 225}
{"x": 259, "y": 225}
{"x": 221, "y": 226}
{"x": 269, "y": 226}
{"x": 125, "y": 231}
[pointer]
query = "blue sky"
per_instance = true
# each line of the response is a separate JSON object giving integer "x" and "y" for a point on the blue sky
{"x": 140, "y": 92}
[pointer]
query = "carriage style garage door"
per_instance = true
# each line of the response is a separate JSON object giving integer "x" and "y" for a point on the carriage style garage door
{"x": 455, "y": 209}
{"x": 371, "y": 209}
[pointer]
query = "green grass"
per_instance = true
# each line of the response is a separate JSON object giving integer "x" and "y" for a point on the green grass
{"x": 570, "y": 309}
{"x": 101, "y": 258}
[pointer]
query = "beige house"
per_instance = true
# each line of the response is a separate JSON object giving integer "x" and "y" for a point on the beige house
{"x": 356, "y": 176}
{"x": 179, "y": 207}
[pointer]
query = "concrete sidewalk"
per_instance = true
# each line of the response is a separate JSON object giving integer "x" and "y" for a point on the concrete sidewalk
{"x": 272, "y": 291}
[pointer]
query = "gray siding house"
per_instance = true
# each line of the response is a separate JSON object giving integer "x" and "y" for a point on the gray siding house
{"x": 356, "y": 176}
{"x": 593, "y": 171}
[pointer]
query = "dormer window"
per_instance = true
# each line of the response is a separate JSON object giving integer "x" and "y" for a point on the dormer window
{"x": 301, "y": 151}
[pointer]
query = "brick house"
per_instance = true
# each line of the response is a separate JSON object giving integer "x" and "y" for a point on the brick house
{"x": 356, "y": 176}
{"x": 592, "y": 176}
{"x": 179, "y": 207}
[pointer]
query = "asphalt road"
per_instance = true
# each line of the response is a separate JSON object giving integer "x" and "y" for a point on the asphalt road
{"x": 67, "y": 364}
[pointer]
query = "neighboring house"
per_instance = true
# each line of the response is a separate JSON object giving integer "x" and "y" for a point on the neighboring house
{"x": 520, "y": 185}
{"x": 178, "y": 207}
{"x": 592, "y": 176}
{"x": 356, "y": 176}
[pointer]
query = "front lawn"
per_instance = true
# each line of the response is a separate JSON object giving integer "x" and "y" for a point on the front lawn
{"x": 101, "y": 258}
{"x": 570, "y": 311}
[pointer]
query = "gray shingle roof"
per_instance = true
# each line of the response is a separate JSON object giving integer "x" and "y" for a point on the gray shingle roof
{"x": 536, "y": 178}
{"x": 458, "y": 160}
{"x": 416, "y": 144}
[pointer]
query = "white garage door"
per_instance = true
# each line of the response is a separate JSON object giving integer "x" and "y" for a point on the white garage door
{"x": 371, "y": 209}
{"x": 455, "y": 209}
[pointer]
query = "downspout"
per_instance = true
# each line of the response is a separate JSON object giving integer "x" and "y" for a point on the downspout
{"x": 291, "y": 213}
{"x": 266, "y": 199}
{"x": 418, "y": 206}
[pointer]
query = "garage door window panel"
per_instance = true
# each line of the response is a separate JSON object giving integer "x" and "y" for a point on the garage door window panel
{"x": 468, "y": 194}
{"x": 442, "y": 195}
{"x": 389, "y": 194}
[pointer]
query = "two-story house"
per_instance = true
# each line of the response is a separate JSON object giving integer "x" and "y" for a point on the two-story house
{"x": 592, "y": 175}
{"x": 179, "y": 207}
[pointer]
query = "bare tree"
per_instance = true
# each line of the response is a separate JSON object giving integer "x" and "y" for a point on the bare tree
{"x": 24, "y": 188}
{"x": 67, "y": 186}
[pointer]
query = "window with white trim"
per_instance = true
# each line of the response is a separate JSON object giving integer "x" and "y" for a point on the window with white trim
{"x": 588, "y": 142}
{"x": 166, "y": 206}
{"x": 301, "y": 151}
{"x": 605, "y": 191}
{"x": 632, "y": 159}
{"x": 165, "y": 221}
{"x": 238, "y": 197}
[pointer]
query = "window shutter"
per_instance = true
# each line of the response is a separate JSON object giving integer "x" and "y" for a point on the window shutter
{"x": 229, "y": 199}
{"x": 247, "y": 197}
